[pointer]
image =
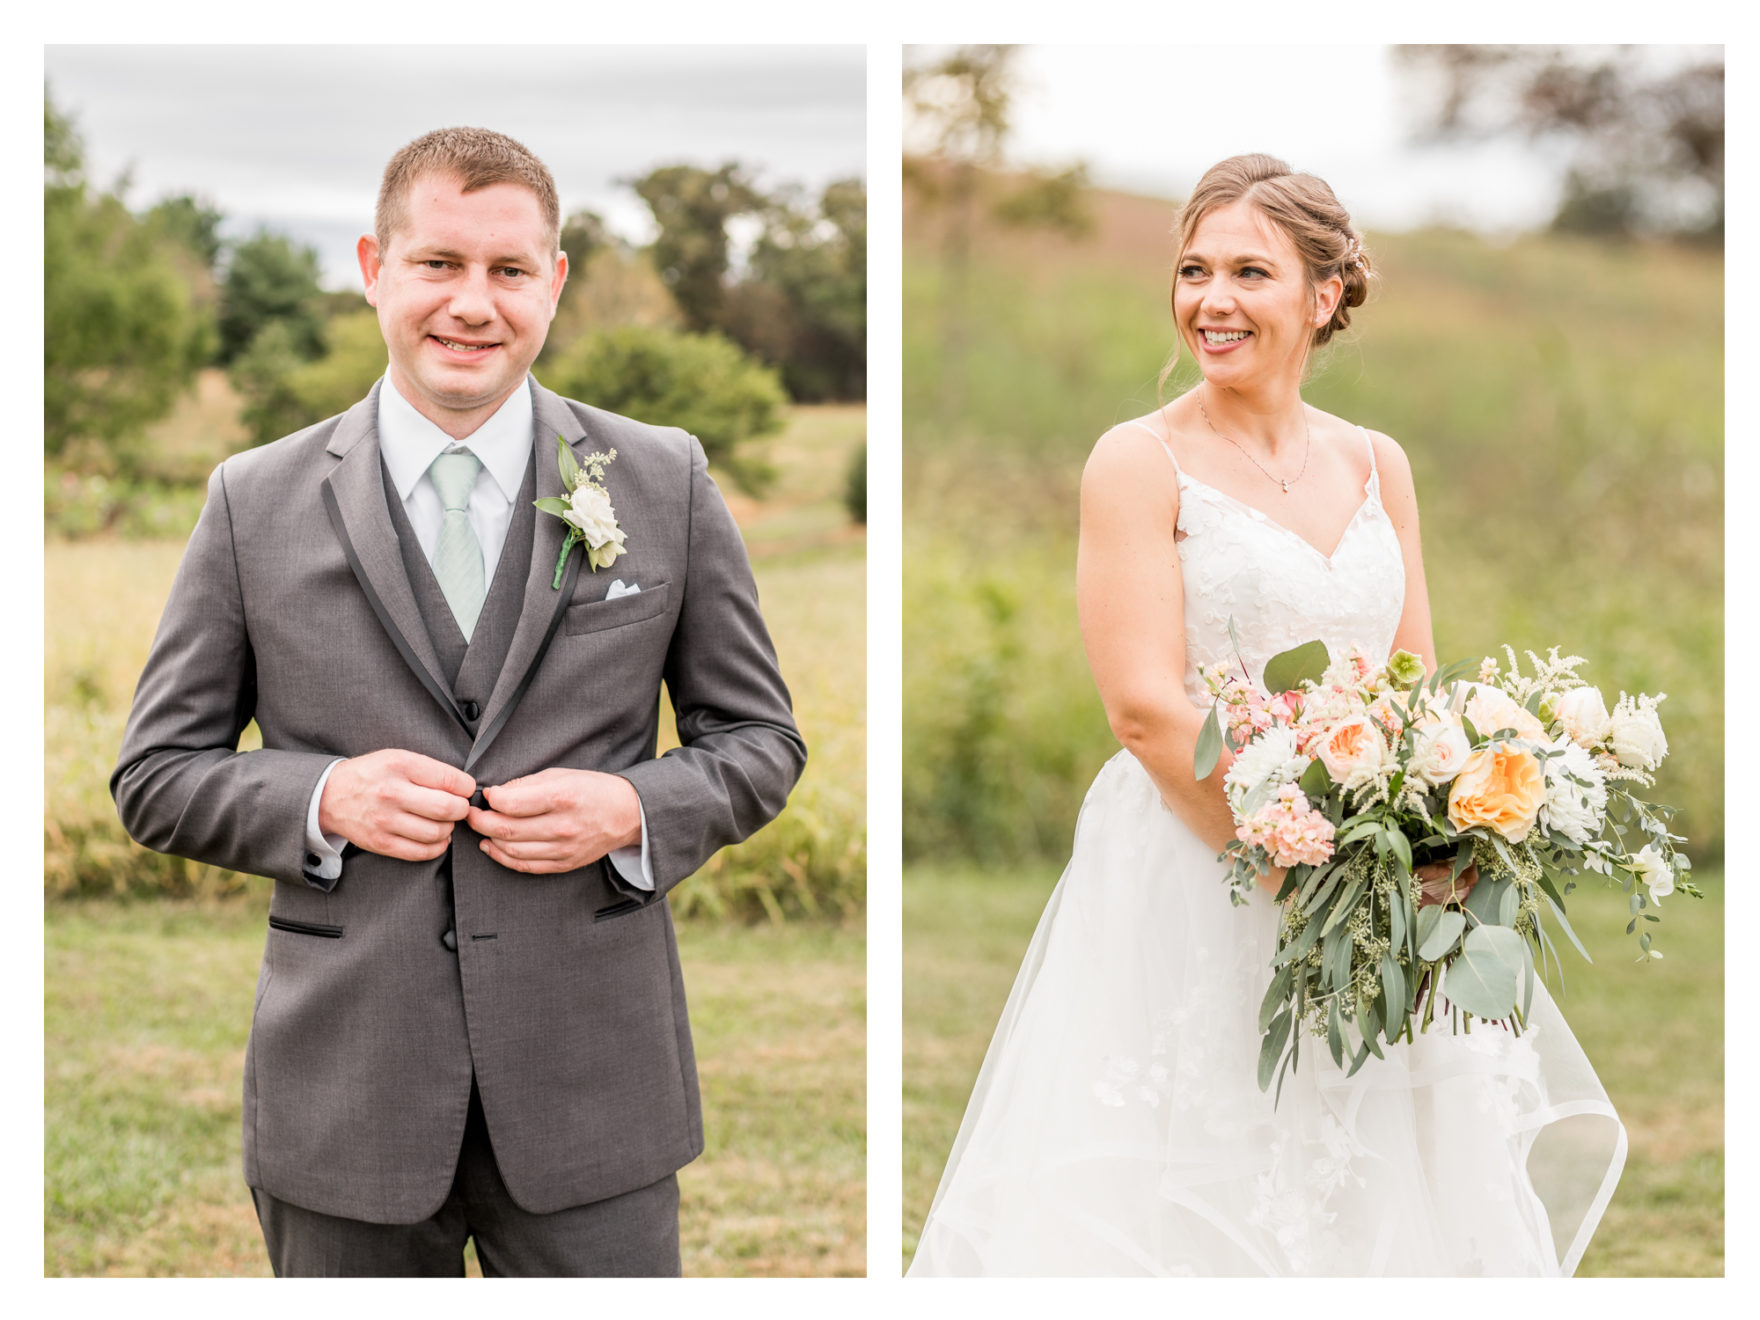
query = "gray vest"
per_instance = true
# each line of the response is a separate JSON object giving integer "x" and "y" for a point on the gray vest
{"x": 472, "y": 668}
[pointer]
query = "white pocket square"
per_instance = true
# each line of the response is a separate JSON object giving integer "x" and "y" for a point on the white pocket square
{"x": 620, "y": 588}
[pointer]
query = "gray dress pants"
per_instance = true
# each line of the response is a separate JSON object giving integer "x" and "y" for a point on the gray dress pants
{"x": 635, "y": 1234}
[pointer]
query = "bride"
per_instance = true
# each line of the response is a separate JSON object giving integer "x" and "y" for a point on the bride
{"x": 1117, "y": 1126}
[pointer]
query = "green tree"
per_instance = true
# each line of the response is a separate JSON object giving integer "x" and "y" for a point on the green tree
{"x": 270, "y": 278}
{"x": 192, "y": 222}
{"x": 123, "y": 330}
{"x": 803, "y": 305}
{"x": 284, "y": 393}
{"x": 692, "y": 207}
{"x": 1642, "y": 130}
{"x": 701, "y": 382}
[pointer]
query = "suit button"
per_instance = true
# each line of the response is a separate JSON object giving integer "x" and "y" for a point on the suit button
{"x": 471, "y": 710}
{"x": 450, "y": 940}
{"x": 312, "y": 861}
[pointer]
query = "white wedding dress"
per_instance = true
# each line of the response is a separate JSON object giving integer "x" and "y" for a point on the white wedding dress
{"x": 1117, "y": 1126}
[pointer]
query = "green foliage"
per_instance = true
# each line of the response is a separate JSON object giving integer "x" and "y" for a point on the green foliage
{"x": 1560, "y": 404}
{"x": 855, "y": 486}
{"x": 271, "y": 281}
{"x": 124, "y": 331}
{"x": 284, "y": 392}
{"x": 702, "y": 383}
{"x": 692, "y": 207}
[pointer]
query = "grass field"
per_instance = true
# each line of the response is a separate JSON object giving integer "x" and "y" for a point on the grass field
{"x": 146, "y": 1010}
{"x": 1654, "y": 1034}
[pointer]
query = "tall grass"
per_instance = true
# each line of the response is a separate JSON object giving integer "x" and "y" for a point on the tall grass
{"x": 1561, "y": 405}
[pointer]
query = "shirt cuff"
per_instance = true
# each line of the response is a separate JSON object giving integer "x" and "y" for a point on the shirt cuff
{"x": 632, "y": 863}
{"x": 324, "y": 851}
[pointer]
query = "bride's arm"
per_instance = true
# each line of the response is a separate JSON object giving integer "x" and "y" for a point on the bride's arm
{"x": 1132, "y": 605}
{"x": 1400, "y": 499}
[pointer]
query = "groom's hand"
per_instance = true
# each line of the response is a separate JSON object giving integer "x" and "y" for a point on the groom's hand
{"x": 557, "y": 820}
{"x": 395, "y": 803}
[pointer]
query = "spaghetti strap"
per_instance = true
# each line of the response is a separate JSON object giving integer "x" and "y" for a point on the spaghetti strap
{"x": 1158, "y": 440}
{"x": 1370, "y": 441}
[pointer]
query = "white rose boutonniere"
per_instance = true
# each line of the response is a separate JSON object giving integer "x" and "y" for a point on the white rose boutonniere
{"x": 587, "y": 511}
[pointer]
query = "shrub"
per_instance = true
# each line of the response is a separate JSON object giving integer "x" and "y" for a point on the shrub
{"x": 701, "y": 382}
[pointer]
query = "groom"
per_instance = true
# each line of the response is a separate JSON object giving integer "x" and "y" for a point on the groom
{"x": 470, "y": 1020}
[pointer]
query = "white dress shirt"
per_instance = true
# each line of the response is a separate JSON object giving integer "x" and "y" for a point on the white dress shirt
{"x": 410, "y": 443}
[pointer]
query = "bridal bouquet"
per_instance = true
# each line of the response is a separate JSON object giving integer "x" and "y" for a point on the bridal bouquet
{"x": 1355, "y": 775}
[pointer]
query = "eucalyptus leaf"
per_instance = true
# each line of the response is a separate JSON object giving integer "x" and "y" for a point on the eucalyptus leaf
{"x": 1401, "y": 848}
{"x": 1393, "y": 985}
{"x": 551, "y": 504}
{"x": 1509, "y": 906}
{"x": 1303, "y": 943}
{"x": 1565, "y": 926}
{"x": 1346, "y": 904}
{"x": 1275, "y": 995}
{"x": 1529, "y": 976}
{"x": 1209, "y": 749}
{"x": 1316, "y": 780}
{"x": 1396, "y": 920}
{"x": 1271, "y": 1048}
{"x": 565, "y": 462}
{"x": 1482, "y": 979}
{"x": 1361, "y": 1058}
{"x": 1336, "y": 959}
{"x": 1445, "y": 929}
{"x": 1425, "y": 925}
{"x": 1486, "y": 898}
{"x": 1287, "y": 669}
{"x": 1335, "y": 1034}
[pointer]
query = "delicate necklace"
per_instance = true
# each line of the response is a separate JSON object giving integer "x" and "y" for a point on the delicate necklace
{"x": 1282, "y": 481}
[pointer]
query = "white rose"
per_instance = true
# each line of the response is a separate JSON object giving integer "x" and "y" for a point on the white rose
{"x": 1652, "y": 868}
{"x": 1583, "y": 715}
{"x": 1270, "y": 759}
{"x": 1635, "y": 736}
{"x": 1438, "y": 752}
{"x": 1576, "y": 794}
{"x": 589, "y": 509}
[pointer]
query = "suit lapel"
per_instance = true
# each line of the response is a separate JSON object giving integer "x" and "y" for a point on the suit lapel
{"x": 542, "y": 608}
{"x": 354, "y": 495}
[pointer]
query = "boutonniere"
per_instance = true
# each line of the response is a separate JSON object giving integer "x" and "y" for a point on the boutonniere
{"x": 587, "y": 511}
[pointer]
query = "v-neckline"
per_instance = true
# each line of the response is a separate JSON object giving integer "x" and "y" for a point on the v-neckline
{"x": 1260, "y": 515}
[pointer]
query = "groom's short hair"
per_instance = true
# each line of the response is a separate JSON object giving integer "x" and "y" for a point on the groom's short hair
{"x": 476, "y": 157}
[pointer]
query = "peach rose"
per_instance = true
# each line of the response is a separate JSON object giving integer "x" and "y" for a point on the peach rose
{"x": 1491, "y": 709}
{"x": 1501, "y": 785}
{"x": 1353, "y": 751}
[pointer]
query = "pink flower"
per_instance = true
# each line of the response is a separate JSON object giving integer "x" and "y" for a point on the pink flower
{"x": 1291, "y": 832}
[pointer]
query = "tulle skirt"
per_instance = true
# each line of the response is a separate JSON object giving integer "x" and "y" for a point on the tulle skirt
{"x": 1117, "y": 1126}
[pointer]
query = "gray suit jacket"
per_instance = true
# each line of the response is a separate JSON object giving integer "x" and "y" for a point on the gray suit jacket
{"x": 564, "y": 997}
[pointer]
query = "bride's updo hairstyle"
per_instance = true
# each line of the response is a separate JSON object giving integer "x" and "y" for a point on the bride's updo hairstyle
{"x": 1301, "y": 205}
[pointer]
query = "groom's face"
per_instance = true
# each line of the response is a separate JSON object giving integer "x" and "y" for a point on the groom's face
{"x": 465, "y": 291}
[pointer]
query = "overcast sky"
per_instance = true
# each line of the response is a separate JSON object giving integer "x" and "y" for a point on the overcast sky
{"x": 1151, "y": 119}
{"x": 296, "y": 137}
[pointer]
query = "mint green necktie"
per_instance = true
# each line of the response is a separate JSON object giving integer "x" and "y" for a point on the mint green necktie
{"x": 458, "y": 557}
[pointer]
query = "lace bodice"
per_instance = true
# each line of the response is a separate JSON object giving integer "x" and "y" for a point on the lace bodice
{"x": 1279, "y": 589}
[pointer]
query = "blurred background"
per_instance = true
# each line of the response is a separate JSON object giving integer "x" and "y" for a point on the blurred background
{"x": 201, "y": 206}
{"x": 1546, "y": 343}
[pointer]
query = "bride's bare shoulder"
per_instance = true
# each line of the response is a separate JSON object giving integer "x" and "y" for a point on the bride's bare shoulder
{"x": 1130, "y": 453}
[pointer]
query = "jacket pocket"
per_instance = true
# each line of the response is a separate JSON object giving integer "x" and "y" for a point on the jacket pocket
{"x": 598, "y": 615}
{"x": 622, "y": 909}
{"x": 305, "y": 928}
